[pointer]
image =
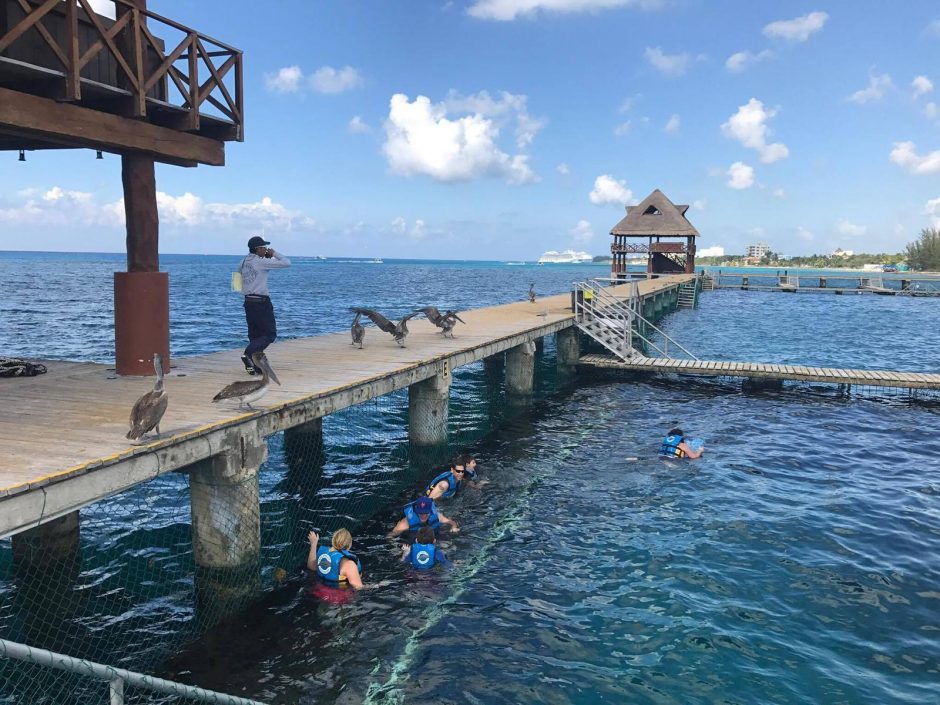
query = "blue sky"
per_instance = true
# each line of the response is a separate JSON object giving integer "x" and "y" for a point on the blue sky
{"x": 499, "y": 129}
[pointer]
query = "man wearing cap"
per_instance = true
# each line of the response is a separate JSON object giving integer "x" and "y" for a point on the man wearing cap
{"x": 259, "y": 313}
{"x": 422, "y": 512}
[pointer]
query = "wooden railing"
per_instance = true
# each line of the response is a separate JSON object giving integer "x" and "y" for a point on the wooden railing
{"x": 196, "y": 73}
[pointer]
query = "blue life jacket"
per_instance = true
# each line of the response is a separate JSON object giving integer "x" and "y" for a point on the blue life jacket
{"x": 423, "y": 555}
{"x": 414, "y": 521}
{"x": 328, "y": 563}
{"x": 670, "y": 447}
{"x": 453, "y": 484}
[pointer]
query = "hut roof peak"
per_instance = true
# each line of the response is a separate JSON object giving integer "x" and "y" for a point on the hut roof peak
{"x": 655, "y": 215}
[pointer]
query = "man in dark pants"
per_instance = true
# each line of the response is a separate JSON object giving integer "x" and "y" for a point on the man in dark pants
{"x": 262, "y": 328}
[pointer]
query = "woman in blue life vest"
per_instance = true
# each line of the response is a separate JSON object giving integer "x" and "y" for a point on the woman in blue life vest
{"x": 421, "y": 512}
{"x": 336, "y": 566}
{"x": 674, "y": 446}
{"x": 423, "y": 554}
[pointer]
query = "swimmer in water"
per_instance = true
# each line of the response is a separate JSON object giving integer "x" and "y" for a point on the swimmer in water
{"x": 422, "y": 512}
{"x": 674, "y": 445}
{"x": 336, "y": 566}
{"x": 423, "y": 554}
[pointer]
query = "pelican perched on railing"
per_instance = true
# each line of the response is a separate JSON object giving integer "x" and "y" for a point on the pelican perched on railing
{"x": 149, "y": 409}
{"x": 252, "y": 390}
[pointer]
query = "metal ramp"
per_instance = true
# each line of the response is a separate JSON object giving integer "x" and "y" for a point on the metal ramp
{"x": 615, "y": 321}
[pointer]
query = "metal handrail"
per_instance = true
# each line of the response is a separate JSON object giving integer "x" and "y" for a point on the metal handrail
{"x": 627, "y": 313}
{"x": 116, "y": 677}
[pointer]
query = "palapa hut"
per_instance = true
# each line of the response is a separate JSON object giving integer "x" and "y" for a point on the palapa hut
{"x": 654, "y": 220}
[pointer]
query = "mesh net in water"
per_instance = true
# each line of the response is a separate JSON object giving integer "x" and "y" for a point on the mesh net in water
{"x": 119, "y": 582}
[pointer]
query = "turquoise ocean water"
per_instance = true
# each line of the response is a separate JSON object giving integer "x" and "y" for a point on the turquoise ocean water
{"x": 797, "y": 562}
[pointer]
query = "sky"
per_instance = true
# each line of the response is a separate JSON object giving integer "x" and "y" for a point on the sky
{"x": 500, "y": 129}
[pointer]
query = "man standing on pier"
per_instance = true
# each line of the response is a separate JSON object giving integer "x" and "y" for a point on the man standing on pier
{"x": 259, "y": 313}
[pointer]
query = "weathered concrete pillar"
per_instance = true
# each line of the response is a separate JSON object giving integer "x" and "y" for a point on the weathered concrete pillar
{"x": 520, "y": 369}
{"x": 493, "y": 367}
{"x": 303, "y": 444}
{"x": 226, "y": 516}
{"x": 428, "y": 404}
{"x": 50, "y": 551}
{"x": 567, "y": 348}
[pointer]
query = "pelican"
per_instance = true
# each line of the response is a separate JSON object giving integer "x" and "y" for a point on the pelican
{"x": 532, "y": 293}
{"x": 399, "y": 330}
{"x": 252, "y": 390}
{"x": 149, "y": 409}
{"x": 358, "y": 332}
{"x": 445, "y": 321}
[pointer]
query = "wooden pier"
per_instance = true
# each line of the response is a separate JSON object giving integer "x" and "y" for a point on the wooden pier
{"x": 853, "y": 282}
{"x": 63, "y": 432}
{"x": 766, "y": 371}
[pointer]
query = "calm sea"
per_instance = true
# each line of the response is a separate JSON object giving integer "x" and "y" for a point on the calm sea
{"x": 797, "y": 562}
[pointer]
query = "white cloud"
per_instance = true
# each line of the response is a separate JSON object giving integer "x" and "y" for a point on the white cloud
{"x": 749, "y": 127}
{"x": 507, "y": 107}
{"x": 844, "y": 227}
{"x": 399, "y": 225}
{"x": 59, "y": 206}
{"x": 582, "y": 232}
{"x": 667, "y": 64}
{"x": 740, "y": 61}
{"x": 804, "y": 234}
{"x": 623, "y": 128}
{"x": 933, "y": 210}
{"x": 357, "y": 126}
{"x": 607, "y": 190}
{"x": 877, "y": 85}
{"x": 563, "y": 169}
{"x": 716, "y": 251}
{"x": 508, "y": 10}
{"x": 905, "y": 155}
{"x": 779, "y": 193}
{"x": 326, "y": 79}
{"x": 422, "y": 139}
{"x": 932, "y": 111}
{"x": 740, "y": 176}
{"x": 672, "y": 125}
{"x": 627, "y": 105}
{"x": 921, "y": 86}
{"x": 286, "y": 80}
{"x": 797, "y": 30}
{"x": 699, "y": 204}
{"x": 419, "y": 230}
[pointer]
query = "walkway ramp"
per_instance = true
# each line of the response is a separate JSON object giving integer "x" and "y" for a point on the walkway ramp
{"x": 762, "y": 370}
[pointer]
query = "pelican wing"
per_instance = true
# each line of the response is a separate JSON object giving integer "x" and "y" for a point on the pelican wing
{"x": 147, "y": 412}
{"x": 237, "y": 390}
{"x": 453, "y": 314}
{"x": 432, "y": 314}
{"x": 377, "y": 318}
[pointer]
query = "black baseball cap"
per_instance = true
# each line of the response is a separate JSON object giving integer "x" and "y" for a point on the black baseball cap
{"x": 257, "y": 241}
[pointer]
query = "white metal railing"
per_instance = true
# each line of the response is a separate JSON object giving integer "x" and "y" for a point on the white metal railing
{"x": 115, "y": 677}
{"x": 616, "y": 322}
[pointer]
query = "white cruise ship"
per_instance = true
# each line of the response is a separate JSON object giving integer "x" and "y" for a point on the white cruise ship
{"x": 566, "y": 257}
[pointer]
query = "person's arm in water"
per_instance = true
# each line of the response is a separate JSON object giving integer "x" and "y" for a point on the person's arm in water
{"x": 444, "y": 520}
{"x": 689, "y": 453}
{"x": 399, "y": 528}
{"x": 405, "y": 552}
{"x": 439, "y": 489}
{"x": 312, "y": 555}
{"x": 441, "y": 559}
{"x": 272, "y": 260}
{"x": 349, "y": 570}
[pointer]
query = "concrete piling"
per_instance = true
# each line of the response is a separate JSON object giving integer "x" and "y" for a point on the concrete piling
{"x": 520, "y": 369}
{"x": 428, "y": 404}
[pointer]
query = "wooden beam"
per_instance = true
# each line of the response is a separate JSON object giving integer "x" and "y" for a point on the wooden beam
{"x": 76, "y": 126}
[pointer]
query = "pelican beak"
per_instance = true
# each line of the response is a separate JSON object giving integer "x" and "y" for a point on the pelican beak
{"x": 267, "y": 366}
{"x": 460, "y": 319}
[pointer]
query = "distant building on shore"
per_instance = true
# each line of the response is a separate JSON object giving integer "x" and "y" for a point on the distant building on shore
{"x": 839, "y": 252}
{"x": 757, "y": 251}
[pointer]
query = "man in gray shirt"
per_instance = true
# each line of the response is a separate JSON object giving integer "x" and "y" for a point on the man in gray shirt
{"x": 259, "y": 313}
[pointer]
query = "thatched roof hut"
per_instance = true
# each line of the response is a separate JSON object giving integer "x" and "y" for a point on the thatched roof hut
{"x": 655, "y": 218}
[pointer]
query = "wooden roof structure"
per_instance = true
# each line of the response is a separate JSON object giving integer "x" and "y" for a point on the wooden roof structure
{"x": 656, "y": 216}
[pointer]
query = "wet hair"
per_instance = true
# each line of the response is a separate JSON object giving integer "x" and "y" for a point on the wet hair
{"x": 342, "y": 540}
{"x": 425, "y": 535}
{"x": 675, "y": 432}
{"x": 460, "y": 460}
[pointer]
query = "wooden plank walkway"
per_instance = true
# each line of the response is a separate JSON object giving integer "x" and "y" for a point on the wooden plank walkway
{"x": 760, "y": 370}
{"x": 69, "y": 424}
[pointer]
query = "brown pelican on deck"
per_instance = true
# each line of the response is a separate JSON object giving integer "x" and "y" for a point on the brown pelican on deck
{"x": 251, "y": 390}
{"x": 532, "y": 293}
{"x": 445, "y": 321}
{"x": 149, "y": 409}
{"x": 399, "y": 330}
{"x": 357, "y": 331}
